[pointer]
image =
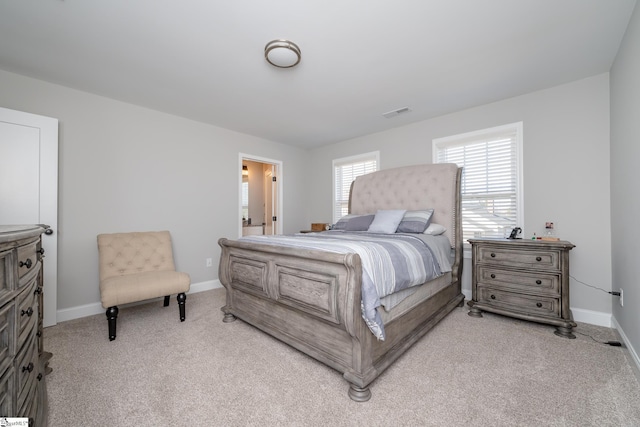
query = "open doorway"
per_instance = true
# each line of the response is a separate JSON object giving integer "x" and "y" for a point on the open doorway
{"x": 260, "y": 195}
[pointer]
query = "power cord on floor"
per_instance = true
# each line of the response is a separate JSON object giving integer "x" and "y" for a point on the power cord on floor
{"x": 611, "y": 343}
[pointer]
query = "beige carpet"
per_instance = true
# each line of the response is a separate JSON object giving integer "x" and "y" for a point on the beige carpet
{"x": 493, "y": 371}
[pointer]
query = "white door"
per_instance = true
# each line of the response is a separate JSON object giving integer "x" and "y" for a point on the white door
{"x": 29, "y": 186}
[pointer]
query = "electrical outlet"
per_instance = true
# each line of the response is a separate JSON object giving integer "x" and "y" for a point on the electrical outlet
{"x": 621, "y": 298}
{"x": 209, "y": 262}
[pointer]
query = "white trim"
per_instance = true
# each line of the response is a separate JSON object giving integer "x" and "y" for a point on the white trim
{"x": 279, "y": 181}
{"x": 591, "y": 317}
{"x": 96, "y": 308}
{"x": 464, "y": 138}
{"x": 632, "y": 351}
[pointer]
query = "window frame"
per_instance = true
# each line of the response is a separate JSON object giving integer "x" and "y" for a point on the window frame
{"x": 483, "y": 135}
{"x": 349, "y": 161}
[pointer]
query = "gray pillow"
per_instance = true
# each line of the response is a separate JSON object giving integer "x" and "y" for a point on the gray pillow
{"x": 359, "y": 223}
{"x": 386, "y": 221}
{"x": 344, "y": 221}
{"x": 415, "y": 221}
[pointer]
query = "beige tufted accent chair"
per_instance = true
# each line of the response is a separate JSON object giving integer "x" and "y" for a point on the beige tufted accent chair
{"x": 136, "y": 267}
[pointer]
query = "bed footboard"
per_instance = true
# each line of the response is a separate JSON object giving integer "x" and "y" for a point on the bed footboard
{"x": 311, "y": 300}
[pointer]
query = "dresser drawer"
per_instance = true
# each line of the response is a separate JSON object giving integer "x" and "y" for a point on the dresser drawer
{"x": 521, "y": 303}
{"x": 27, "y": 258}
{"x": 6, "y": 275}
{"x": 27, "y": 311}
{"x": 27, "y": 370}
{"x": 523, "y": 281}
{"x": 7, "y": 335}
{"x": 539, "y": 259}
{"x": 7, "y": 385}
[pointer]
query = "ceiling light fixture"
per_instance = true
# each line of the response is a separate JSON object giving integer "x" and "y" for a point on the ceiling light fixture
{"x": 282, "y": 53}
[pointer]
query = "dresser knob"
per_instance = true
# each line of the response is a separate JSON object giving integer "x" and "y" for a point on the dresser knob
{"x": 28, "y": 312}
{"x": 37, "y": 291}
{"x": 538, "y": 282}
{"x": 493, "y": 297}
{"x": 39, "y": 377}
{"x": 28, "y": 263}
{"x": 538, "y": 304}
{"x": 538, "y": 258}
{"x": 29, "y": 367}
{"x": 493, "y": 255}
{"x": 40, "y": 251}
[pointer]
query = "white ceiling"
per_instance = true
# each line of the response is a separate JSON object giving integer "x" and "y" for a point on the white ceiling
{"x": 204, "y": 59}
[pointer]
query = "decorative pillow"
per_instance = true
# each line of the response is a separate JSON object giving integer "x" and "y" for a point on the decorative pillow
{"x": 435, "y": 229}
{"x": 415, "y": 221}
{"x": 386, "y": 221}
{"x": 342, "y": 222}
{"x": 359, "y": 223}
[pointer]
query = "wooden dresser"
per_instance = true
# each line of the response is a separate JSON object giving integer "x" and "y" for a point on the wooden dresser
{"x": 22, "y": 360}
{"x": 527, "y": 279}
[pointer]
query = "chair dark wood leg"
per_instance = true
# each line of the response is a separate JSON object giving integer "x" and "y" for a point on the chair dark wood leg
{"x": 112, "y": 315}
{"x": 182, "y": 297}
{"x": 166, "y": 300}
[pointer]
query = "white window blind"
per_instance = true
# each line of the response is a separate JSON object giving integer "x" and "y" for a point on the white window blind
{"x": 346, "y": 170}
{"x": 491, "y": 197}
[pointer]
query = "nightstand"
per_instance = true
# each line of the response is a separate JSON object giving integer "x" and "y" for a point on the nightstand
{"x": 526, "y": 279}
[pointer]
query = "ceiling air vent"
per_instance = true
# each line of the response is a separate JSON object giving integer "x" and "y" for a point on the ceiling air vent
{"x": 390, "y": 114}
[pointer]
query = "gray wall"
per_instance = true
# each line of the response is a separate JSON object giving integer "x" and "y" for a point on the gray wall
{"x": 625, "y": 176}
{"x": 127, "y": 168}
{"x": 566, "y": 172}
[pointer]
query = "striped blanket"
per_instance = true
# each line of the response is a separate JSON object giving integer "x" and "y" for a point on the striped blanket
{"x": 390, "y": 262}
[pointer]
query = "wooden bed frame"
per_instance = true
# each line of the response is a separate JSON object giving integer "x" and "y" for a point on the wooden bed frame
{"x": 311, "y": 299}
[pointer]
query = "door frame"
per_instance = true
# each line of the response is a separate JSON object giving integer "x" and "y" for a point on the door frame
{"x": 279, "y": 181}
{"x": 48, "y": 214}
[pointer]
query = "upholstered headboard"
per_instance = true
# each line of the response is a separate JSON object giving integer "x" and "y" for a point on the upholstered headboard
{"x": 419, "y": 187}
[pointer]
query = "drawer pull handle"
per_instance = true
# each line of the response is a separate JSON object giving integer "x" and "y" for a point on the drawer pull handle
{"x": 493, "y": 297}
{"x": 493, "y": 276}
{"x": 538, "y": 282}
{"x": 37, "y": 291}
{"x": 538, "y": 304}
{"x": 28, "y": 263}
{"x": 39, "y": 377}
{"x": 28, "y": 312}
{"x": 29, "y": 367}
{"x": 40, "y": 251}
{"x": 493, "y": 255}
{"x": 538, "y": 258}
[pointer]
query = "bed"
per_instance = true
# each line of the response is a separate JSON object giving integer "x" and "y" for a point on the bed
{"x": 312, "y": 299}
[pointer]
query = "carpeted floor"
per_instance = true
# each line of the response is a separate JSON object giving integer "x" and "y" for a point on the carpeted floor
{"x": 493, "y": 371}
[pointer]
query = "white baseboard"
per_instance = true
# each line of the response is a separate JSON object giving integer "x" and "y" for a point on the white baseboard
{"x": 632, "y": 351}
{"x": 96, "y": 308}
{"x": 591, "y": 317}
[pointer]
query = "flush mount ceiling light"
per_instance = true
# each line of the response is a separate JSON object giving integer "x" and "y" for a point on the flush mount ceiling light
{"x": 282, "y": 53}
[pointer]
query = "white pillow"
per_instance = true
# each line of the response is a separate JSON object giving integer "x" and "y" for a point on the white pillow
{"x": 435, "y": 229}
{"x": 386, "y": 221}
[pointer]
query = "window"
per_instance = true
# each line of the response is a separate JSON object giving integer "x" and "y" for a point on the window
{"x": 491, "y": 178}
{"x": 345, "y": 170}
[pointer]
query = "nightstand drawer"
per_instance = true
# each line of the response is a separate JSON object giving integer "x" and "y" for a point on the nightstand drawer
{"x": 524, "y": 281}
{"x": 523, "y": 303}
{"x": 540, "y": 259}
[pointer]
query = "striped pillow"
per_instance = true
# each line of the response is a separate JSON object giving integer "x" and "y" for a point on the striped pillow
{"x": 415, "y": 221}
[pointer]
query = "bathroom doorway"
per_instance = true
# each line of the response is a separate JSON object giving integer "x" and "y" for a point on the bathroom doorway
{"x": 260, "y": 195}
